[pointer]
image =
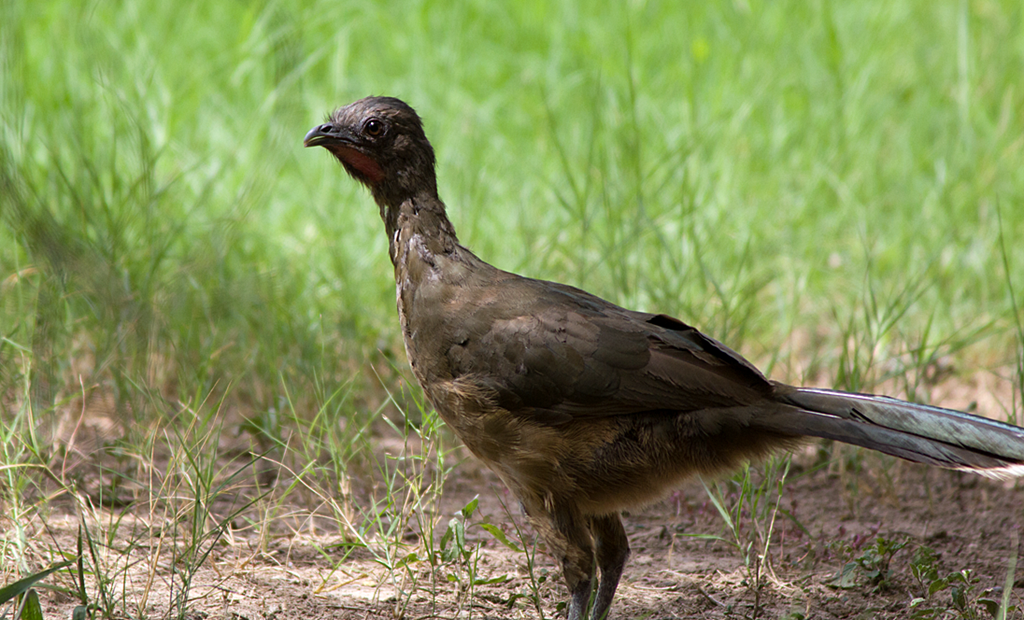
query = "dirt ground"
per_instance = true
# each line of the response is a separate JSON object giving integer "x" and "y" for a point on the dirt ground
{"x": 855, "y": 535}
{"x": 680, "y": 566}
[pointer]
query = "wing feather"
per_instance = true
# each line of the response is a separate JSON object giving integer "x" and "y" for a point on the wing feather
{"x": 559, "y": 353}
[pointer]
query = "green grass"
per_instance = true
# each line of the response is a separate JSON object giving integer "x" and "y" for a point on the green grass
{"x": 835, "y": 189}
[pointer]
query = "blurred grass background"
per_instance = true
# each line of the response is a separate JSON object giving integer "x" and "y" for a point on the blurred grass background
{"x": 834, "y": 189}
{"x": 751, "y": 167}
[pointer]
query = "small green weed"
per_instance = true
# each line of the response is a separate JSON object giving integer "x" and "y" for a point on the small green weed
{"x": 459, "y": 560}
{"x": 871, "y": 567}
{"x": 967, "y": 601}
{"x": 749, "y": 510}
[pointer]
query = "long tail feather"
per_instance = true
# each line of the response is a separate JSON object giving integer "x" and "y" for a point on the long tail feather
{"x": 915, "y": 432}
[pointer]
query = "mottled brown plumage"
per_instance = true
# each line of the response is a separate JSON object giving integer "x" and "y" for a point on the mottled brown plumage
{"x": 582, "y": 407}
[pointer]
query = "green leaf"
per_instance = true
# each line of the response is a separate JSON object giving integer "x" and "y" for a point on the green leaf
{"x": 847, "y": 577}
{"x": 991, "y": 607}
{"x": 706, "y": 537}
{"x": 499, "y": 535}
{"x": 30, "y": 609}
{"x": 412, "y": 558}
{"x": 21, "y": 586}
{"x": 446, "y": 538}
{"x": 448, "y": 555}
{"x": 959, "y": 594}
{"x": 937, "y": 586}
{"x": 492, "y": 580}
{"x": 470, "y": 508}
{"x": 459, "y": 530}
{"x": 716, "y": 501}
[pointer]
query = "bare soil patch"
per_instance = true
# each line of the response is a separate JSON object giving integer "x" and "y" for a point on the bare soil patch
{"x": 299, "y": 563}
{"x": 829, "y": 518}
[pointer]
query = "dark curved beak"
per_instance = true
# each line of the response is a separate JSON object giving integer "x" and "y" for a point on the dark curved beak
{"x": 325, "y": 134}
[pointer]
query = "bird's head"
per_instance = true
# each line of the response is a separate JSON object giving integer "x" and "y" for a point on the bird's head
{"x": 380, "y": 142}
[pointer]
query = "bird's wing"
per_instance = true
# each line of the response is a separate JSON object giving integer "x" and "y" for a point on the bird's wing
{"x": 562, "y": 353}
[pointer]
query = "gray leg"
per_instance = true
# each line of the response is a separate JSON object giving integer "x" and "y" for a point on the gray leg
{"x": 612, "y": 548}
{"x": 567, "y": 535}
{"x": 580, "y": 600}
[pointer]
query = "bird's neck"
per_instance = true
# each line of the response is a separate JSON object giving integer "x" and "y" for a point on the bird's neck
{"x": 420, "y": 219}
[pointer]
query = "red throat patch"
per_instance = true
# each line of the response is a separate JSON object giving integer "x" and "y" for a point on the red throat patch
{"x": 363, "y": 163}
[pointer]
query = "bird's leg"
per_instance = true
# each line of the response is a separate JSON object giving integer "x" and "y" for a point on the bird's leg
{"x": 573, "y": 547}
{"x": 612, "y": 548}
{"x": 580, "y": 599}
{"x": 567, "y": 535}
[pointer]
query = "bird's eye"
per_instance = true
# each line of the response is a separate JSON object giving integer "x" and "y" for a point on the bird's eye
{"x": 373, "y": 128}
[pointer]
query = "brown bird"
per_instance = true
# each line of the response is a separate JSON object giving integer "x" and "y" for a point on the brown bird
{"x": 584, "y": 408}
